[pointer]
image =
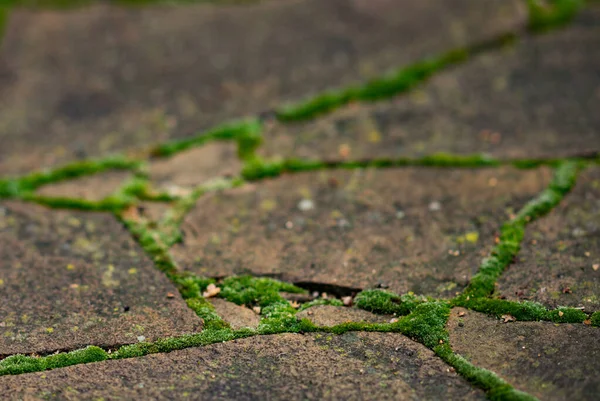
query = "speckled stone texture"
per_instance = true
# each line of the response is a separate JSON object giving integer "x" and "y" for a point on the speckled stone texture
{"x": 72, "y": 279}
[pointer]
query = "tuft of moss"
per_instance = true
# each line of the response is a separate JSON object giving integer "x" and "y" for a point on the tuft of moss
{"x": 321, "y": 301}
{"x": 205, "y": 310}
{"x": 18, "y": 364}
{"x": 246, "y": 131}
{"x": 261, "y": 291}
{"x": 548, "y": 14}
{"x": 596, "y": 319}
{"x": 427, "y": 323}
{"x": 386, "y": 302}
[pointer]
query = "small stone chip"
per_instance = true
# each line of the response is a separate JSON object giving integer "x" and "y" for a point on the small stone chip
{"x": 256, "y": 310}
{"x": 394, "y": 320}
{"x": 461, "y": 314}
{"x": 170, "y": 295}
{"x": 587, "y": 322}
{"x": 347, "y": 301}
{"x": 596, "y": 267}
{"x": 560, "y": 313}
{"x": 211, "y": 291}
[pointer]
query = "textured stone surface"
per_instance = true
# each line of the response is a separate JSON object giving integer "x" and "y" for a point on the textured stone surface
{"x": 196, "y": 166}
{"x": 552, "y": 362}
{"x": 104, "y": 78}
{"x": 422, "y": 230}
{"x": 559, "y": 262}
{"x": 537, "y": 99}
{"x": 354, "y": 366}
{"x": 237, "y": 316}
{"x": 72, "y": 279}
{"x": 94, "y": 187}
{"x": 329, "y": 315}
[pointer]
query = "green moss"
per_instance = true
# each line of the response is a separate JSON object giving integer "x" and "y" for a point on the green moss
{"x": 523, "y": 311}
{"x": 426, "y": 324}
{"x": 596, "y": 319}
{"x": 385, "y": 302}
{"x": 16, "y": 187}
{"x": 261, "y": 291}
{"x": 495, "y": 387}
{"x": 113, "y": 204}
{"x": 548, "y": 14}
{"x": 246, "y": 131}
{"x": 192, "y": 286}
{"x": 18, "y": 364}
{"x": 513, "y": 232}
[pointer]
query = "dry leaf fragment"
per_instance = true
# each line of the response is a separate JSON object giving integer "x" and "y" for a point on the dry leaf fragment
{"x": 560, "y": 313}
{"x": 347, "y": 301}
{"x": 461, "y": 314}
{"x": 508, "y": 318}
{"x": 596, "y": 267}
{"x": 211, "y": 291}
{"x": 170, "y": 295}
{"x": 256, "y": 310}
{"x": 587, "y": 322}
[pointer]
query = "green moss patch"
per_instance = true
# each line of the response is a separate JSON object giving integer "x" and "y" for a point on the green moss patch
{"x": 385, "y": 302}
{"x": 18, "y": 364}
{"x": 548, "y": 14}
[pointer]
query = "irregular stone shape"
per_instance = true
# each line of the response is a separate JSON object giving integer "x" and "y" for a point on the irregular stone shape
{"x": 237, "y": 316}
{"x": 196, "y": 166}
{"x": 414, "y": 229}
{"x": 538, "y": 99}
{"x": 329, "y": 315}
{"x": 72, "y": 279}
{"x": 102, "y": 79}
{"x": 354, "y": 366}
{"x": 559, "y": 261}
{"x": 550, "y": 361}
{"x": 93, "y": 187}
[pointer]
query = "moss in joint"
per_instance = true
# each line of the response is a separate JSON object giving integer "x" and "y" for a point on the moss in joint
{"x": 595, "y": 319}
{"x": 205, "y": 310}
{"x": 246, "y": 131}
{"x": 321, "y": 301}
{"x": 513, "y": 232}
{"x": 523, "y": 311}
{"x": 18, "y": 364}
{"x": 548, "y": 14}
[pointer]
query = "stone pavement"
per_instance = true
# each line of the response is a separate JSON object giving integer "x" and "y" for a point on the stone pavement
{"x": 300, "y": 199}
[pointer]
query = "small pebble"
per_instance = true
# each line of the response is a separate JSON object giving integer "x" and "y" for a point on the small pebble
{"x": 141, "y": 338}
{"x": 435, "y": 206}
{"x": 306, "y": 205}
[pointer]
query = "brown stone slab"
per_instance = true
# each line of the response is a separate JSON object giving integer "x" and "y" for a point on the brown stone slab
{"x": 329, "y": 315}
{"x": 559, "y": 262}
{"x": 93, "y": 188}
{"x": 413, "y": 229}
{"x": 354, "y": 366}
{"x": 538, "y": 99}
{"x": 103, "y": 79}
{"x": 237, "y": 316}
{"x": 194, "y": 167}
{"x": 550, "y": 361}
{"x": 72, "y": 279}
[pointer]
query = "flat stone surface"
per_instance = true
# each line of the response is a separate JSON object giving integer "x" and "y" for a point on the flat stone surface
{"x": 195, "y": 166}
{"x": 547, "y": 360}
{"x": 413, "y": 229}
{"x": 329, "y": 315}
{"x": 354, "y": 366}
{"x": 105, "y": 78}
{"x": 559, "y": 262}
{"x": 72, "y": 279}
{"x": 93, "y": 187}
{"x": 537, "y": 99}
{"x": 237, "y": 316}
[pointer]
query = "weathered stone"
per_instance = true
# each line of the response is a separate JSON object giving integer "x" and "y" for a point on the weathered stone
{"x": 237, "y": 316}
{"x": 559, "y": 262}
{"x": 196, "y": 166}
{"x": 329, "y": 315}
{"x": 93, "y": 187}
{"x": 106, "y": 78}
{"x": 550, "y": 361}
{"x": 72, "y": 279}
{"x": 413, "y": 229}
{"x": 536, "y": 99}
{"x": 354, "y": 366}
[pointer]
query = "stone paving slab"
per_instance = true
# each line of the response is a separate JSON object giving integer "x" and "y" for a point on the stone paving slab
{"x": 237, "y": 316}
{"x": 100, "y": 79}
{"x": 559, "y": 262}
{"x": 72, "y": 279}
{"x": 358, "y": 228}
{"x": 536, "y": 99}
{"x": 329, "y": 315}
{"x": 185, "y": 170}
{"x": 354, "y": 366}
{"x": 549, "y": 361}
